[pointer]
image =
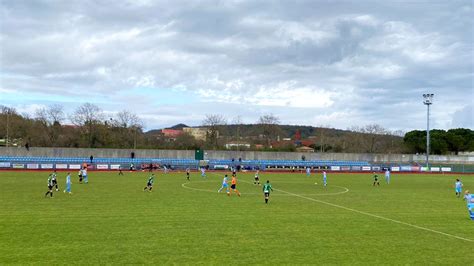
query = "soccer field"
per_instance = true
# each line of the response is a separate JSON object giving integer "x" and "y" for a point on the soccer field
{"x": 415, "y": 220}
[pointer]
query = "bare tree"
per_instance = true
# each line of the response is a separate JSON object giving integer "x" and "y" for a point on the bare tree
{"x": 128, "y": 119}
{"x": 238, "y": 122}
{"x": 50, "y": 115}
{"x": 213, "y": 122}
{"x": 88, "y": 116}
{"x": 370, "y": 136}
{"x": 50, "y": 118}
{"x": 130, "y": 124}
{"x": 323, "y": 136}
{"x": 269, "y": 125}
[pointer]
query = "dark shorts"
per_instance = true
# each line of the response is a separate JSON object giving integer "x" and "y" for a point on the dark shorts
{"x": 55, "y": 182}
{"x": 50, "y": 187}
{"x": 267, "y": 194}
{"x": 232, "y": 186}
{"x": 256, "y": 178}
{"x": 149, "y": 184}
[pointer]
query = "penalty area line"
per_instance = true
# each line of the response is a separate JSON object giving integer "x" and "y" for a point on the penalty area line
{"x": 376, "y": 216}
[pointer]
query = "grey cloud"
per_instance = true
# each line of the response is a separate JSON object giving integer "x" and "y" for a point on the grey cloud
{"x": 371, "y": 60}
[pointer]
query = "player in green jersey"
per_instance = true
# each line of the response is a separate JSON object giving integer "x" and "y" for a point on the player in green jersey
{"x": 149, "y": 184}
{"x": 267, "y": 187}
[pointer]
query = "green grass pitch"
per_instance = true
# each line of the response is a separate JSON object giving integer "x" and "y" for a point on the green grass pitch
{"x": 415, "y": 220}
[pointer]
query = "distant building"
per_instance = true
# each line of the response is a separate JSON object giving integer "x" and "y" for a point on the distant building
{"x": 259, "y": 146}
{"x": 199, "y": 133}
{"x": 171, "y": 133}
{"x": 304, "y": 149}
{"x": 237, "y": 145}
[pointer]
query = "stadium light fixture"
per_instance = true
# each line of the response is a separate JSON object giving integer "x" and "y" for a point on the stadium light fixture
{"x": 428, "y": 100}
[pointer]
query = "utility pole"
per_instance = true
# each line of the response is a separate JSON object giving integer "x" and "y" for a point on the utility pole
{"x": 8, "y": 127}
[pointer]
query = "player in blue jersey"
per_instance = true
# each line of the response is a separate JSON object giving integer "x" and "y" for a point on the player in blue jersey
{"x": 224, "y": 185}
{"x": 387, "y": 176}
{"x": 308, "y": 171}
{"x": 203, "y": 172}
{"x": 458, "y": 187}
{"x": 468, "y": 197}
{"x": 68, "y": 184}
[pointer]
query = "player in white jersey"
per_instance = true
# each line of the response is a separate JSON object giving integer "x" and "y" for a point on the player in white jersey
{"x": 203, "y": 172}
{"x": 308, "y": 171}
{"x": 387, "y": 176}
{"x": 224, "y": 185}
{"x": 325, "y": 180}
{"x": 257, "y": 179}
{"x": 84, "y": 175}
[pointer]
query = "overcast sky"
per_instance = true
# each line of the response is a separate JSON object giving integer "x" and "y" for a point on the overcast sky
{"x": 336, "y": 63}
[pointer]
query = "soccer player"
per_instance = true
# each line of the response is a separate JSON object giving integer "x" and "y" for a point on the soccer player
{"x": 187, "y": 173}
{"x": 68, "y": 184}
{"x": 165, "y": 169}
{"x": 50, "y": 186}
{"x": 149, "y": 184}
{"x": 387, "y": 176}
{"x": 257, "y": 179}
{"x": 267, "y": 187}
{"x": 325, "y": 179}
{"x": 233, "y": 186}
{"x": 376, "y": 180}
{"x": 458, "y": 187}
{"x": 203, "y": 172}
{"x": 308, "y": 171}
{"x": 80, "y": 175}
{"x": 120, "y": 170}
{"x": 55, "y": 180}
{"x": 84, "y": 175}
{"x": 224, "y": 185}
{"x": 468, "y": 197}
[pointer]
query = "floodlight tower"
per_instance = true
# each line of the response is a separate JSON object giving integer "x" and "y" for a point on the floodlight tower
{"x": 428, "y": 100}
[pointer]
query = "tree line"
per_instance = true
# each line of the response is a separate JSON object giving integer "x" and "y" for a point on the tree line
{"x": 441, "y": 141}
{"x": 91, "y": 127}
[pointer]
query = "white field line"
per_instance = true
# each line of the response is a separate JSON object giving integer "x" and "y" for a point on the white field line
{"x": 372, "y": 215}
{"x": 185, "y": 185}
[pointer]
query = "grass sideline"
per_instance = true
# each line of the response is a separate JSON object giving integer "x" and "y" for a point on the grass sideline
{"x": 111, "y": 220}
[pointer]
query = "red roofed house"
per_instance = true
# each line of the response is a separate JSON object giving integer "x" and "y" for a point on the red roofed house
{"x": 171, "y": 133}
